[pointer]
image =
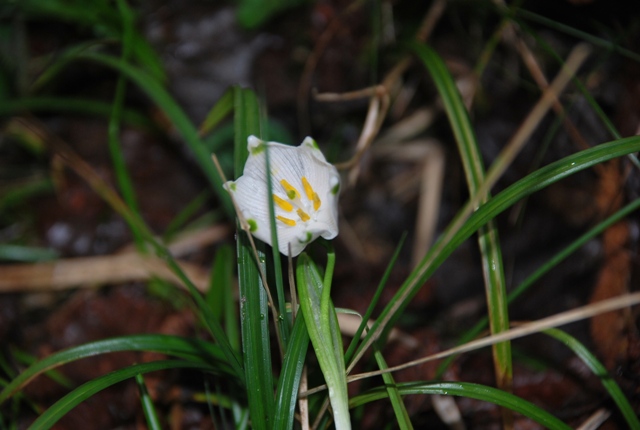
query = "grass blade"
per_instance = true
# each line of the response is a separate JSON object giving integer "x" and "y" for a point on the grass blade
{"x": 220, "y": 294}
{"x": 458, "y": 232}
{"x": 83, "y": 392}
{"x": 488, "y": 240}
{"x": 254, "y": 310}
{"x": 289, "y": 382}
{"x": 147, "y": 405}
{"x": 563, "y": 28}
{"x": 373, "y": 303}
{"x": 600, "y": 371}
{"x": 189, "y": 349}
{"x": 324, "y": 332}
{"x": 174, "y": 112}
{"x": 544, "y": 269}
{"x": 117, "y": 157}
{"x": 470, "y": 390}
{"x": 222, "y": 108}
{"x": 402, "y": 416}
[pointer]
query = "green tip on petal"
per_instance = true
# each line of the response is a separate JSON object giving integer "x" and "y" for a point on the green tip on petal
{"x": 255, "y": 150}
{"x": 306, "y": 196}
{"x": 335, "y": 189}
{"x": 253, "y": 225}
{"x": 308, "y": 238}
{"x": 311, "y": 142}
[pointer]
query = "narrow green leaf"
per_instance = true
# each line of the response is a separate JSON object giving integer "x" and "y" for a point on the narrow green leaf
{"x": 283, "y": 322}
{"x": 469, "y": 390}
{"x": 453, "y": 236}
{"x": 374, "y": 301}
{"x": 220, "y": 295}
{"x": 24, "y": 358}
{"x": 400, "y": 411}
{"x": 600, "y": 371}
{"x": 289, "y": 382}
{"x": 579, "y": 34}
{"x": 544, "y": 269}
{"x": 163, "y": 99}
{"x": 117, "y": 157}
{"x": 82, "y": 393}
{"x": 597, "y": 109}
{"x": 13, "y": 195}
{"x": 325, "y": 337}
{"x": 254, "y": 312}
{"x": 219, "y": 111}
{"x": 488, "y": 240}
{"x": 189, "y": 349}
{"x": 183, "y": 217}
{"x": 148, "y": 408}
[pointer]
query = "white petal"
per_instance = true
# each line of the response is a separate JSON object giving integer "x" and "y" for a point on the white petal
{"x": 289, "y": 165}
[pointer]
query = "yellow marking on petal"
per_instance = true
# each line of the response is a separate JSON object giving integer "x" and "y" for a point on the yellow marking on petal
{"x": 292, "y": 193}
{"x": 287, "y": 221}
{"x": 307, "y": 188}
{"x": 311, "y": 195}
{"x": 282, "y": 203}
{"x": 303, "y": 215}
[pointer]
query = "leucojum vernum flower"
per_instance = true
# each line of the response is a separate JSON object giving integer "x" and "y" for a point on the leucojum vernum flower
{"x": 305, "y": 191}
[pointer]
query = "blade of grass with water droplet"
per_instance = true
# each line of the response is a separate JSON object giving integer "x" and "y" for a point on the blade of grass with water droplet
{"x": 254, "y": 312}
{"x": 324, "y": 332}
{"x": 488, "y": 240}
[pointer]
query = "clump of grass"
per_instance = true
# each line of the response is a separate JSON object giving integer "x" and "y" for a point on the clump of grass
{"x": 258, "y": 392}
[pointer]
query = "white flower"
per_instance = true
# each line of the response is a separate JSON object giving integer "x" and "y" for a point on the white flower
{"x": 305, "y": 193}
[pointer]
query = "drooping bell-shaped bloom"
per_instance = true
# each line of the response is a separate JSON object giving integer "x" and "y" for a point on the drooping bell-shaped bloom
{"x": 305, "y": 193}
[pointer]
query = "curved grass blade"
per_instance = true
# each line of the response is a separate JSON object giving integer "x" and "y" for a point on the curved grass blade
{"x": 488, "y": 240}
{"x": 289, "y": 382}
{"x": 222, "y": 108}
{"x": 597, "y": 109}
{"x": 83, "y": 392}
{"x": 558, "y": 26}
{"x": 181, "y": 220}
{"x": 254, "y": 311}
{"x": 402, "y": 416}
{"x": 220, "y": 294}
{"x": 117, "y": 157}
{"x": 179, "y": 119}
{"x": 324, "y": 333}
{"x": 600, "y": 371}
{"x": 147, "y": 405}
{"x": 470, "y": 390}
{"x": 283, "y": 322}
{"x": 455, "y": 234}
{"x": 374, "y": 302}
{"x": 113, "y": 199}
{"x": 166, "y": 102}
{"x": 189, "y": 349}
{"x": 544, "y": 269}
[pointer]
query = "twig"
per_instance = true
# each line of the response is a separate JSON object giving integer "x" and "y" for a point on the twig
{"x": 523, "y": 330}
